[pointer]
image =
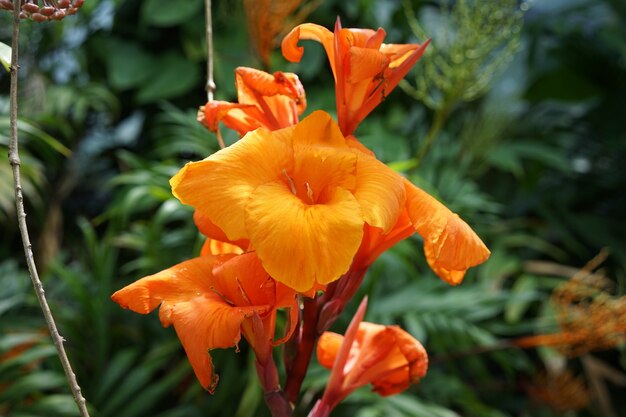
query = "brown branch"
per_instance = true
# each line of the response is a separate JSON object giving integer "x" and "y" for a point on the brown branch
{"x": 14, "y": 160}
{"x": 210, "y": 84}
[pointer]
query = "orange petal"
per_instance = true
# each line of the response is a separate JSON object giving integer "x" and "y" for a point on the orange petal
{"x": 243, "y": 281}
{"x": 450, "y": 245}
{"x": 380, "y": 192}
{"x": 365, "y": 64}
{"x": 202, "y": 319}
{"x": 280, "y": 96}
{"x": 220, "y": 185}
{"x": 217, "y": 247}
{"x": 327, "y": 348}
{"x": 318, "y": 129}
{"x": 217, "y": 243}
{"x": 392, "y": 76}
{"x": 292, "y": 52}
{"x": 242, "y": 118}
{"x": 302, "y": 244}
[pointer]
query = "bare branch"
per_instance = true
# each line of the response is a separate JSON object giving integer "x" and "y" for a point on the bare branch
{"x": 14, "y": 160}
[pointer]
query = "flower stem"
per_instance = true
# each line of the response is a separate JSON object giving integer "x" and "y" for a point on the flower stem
{"x": 14, "y": 160}
{"x": 318, "y": 315}
{"x": 306, "y": 343}
{"x": 440, "y": 117}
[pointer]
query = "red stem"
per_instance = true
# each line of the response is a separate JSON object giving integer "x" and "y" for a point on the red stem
{"x": 317, "y": 316}
{"x": 308, "y": 337}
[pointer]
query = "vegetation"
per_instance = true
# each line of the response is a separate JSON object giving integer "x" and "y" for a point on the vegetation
{"x": 513, "y": 118}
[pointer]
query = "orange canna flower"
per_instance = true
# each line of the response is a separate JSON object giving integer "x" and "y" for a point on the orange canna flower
{"x": 272, "y": 101}
{"x": 385, "y": 356}
{"x": 211, "y": 300}
{"x": 300, "y": 195}
{"x": 365, "y": 69}
{"x": 305, "y": 198}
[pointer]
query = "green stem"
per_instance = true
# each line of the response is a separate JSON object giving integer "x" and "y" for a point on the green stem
{"x": 441, "y": 116}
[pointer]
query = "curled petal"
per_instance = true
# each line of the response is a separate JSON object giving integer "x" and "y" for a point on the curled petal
{"x": 310, "y": 31}
{"x": 450, "y": 245}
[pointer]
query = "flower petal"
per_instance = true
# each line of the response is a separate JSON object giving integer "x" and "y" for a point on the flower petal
{"x": 328, "y": 347}
{"x": 202, "y": 319}
{"x": 242, "y": 118}
{"x": 380, "y": 192}
{"x": 302, "y": 244}
{"x": 220, "y": 185}
{"x": 450, "y": 245}
{"x": 217, "y": 243}
{"x": 293, "y": 53}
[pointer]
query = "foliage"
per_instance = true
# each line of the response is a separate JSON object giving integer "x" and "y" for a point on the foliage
{"x": 523, "y": 137}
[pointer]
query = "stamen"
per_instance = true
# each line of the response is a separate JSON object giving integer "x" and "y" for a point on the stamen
{"x": 309, "y": 192}
{"x": 291, "y": 183}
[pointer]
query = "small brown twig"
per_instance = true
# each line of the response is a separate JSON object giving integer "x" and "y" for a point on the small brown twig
{"x": 210, "y": 83}
{"x": 14, "y": 160}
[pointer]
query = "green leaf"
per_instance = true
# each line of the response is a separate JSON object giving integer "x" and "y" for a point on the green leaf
{"x": 174, "y": 75}
{"x": 5, "y": 56}
{"x": 32, "y": 383}
{"x": 169, "y": 13}
{"x": 128, "y": 65}
{"x": 54, "y": 405}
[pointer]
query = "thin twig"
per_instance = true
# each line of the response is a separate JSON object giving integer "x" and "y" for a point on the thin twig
{"x": 210, "y": 84}
{"x": 14, "y": 160}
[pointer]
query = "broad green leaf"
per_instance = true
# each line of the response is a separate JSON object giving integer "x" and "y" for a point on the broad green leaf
{"x": 169, "y": 13}
{"x": 5, "y": 56}
{"x": 128, "y": 65}
{"x": 175, "y": 75}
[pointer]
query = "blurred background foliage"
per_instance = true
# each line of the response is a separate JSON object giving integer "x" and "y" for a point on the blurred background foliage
{"x": 514, "y": 118}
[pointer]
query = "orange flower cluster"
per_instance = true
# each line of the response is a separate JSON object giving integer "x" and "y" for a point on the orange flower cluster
{"x": 295, "y": 207}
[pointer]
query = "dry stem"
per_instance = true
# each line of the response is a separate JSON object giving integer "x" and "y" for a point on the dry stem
{"x": 210, "y": 84}
{"x": 14, "y": 160}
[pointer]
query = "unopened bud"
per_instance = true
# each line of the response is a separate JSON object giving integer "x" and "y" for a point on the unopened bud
{"x": 6, "y": 4}
{"x": 30, "y": 8}
{"x": 58, "y": 15}
{"x": 63, "y": 4}
{"x": 38, "y": 17}
{"x": 47, "y": 10}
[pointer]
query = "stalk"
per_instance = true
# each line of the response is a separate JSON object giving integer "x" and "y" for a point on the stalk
{"x": 14, "y": 160}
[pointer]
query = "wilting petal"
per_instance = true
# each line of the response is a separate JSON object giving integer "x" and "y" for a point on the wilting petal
{"x": 220, "y": 185}
{"x": 380, "y": 192}
{"x": 301, "y": 244}
{"x": 202, "y": 319}
{"x": 450, "y": 245}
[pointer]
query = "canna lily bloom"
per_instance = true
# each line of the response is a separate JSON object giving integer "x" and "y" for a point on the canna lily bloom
{"x": 365, "y": 68}
{"x": 385, "y": 356}
{"x": 211, "y": 301}
{"x": 308, "y": 201}
{"x": 301, "y": 196}
{"x": 272, "y": 101}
